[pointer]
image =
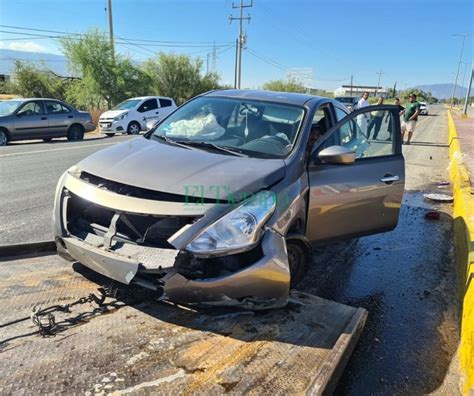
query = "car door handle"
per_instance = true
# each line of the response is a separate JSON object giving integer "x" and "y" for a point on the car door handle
{"x": 70, "y": 116}
{"x": 389, "y": 179}
{"x": 44, "y": 118}
{"x": 157, "y": 112}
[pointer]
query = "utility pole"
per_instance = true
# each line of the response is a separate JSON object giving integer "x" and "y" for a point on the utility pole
{"x": 352, "y": 80}
{"x": 111, "y": 27}
{"x": 394, "y": 89}
{"x": 241, "y": 40}
{"x": 459, "y": 63}
{"x": 378, "y": 83}
{"x": 464, "y": 110}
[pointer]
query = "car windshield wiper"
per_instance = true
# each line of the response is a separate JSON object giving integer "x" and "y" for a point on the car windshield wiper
{"x": 226, "y": 149}
{"x": 170, "y": 141}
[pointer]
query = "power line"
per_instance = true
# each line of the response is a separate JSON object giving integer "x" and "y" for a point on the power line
{"x": 288, "y": 69}
{"x": 211, "y": 43}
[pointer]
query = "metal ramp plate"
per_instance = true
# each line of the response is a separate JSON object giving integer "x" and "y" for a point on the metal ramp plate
{"x": 158, "y": 347}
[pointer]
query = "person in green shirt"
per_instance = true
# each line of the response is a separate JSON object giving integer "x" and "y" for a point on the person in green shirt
{"x": 410, "y": 116}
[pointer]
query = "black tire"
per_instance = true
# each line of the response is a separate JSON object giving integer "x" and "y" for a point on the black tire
{"x": 3, "y": 138}
{"x": 297, "y": 260}
{"x": 110, "y": 134}
{"x": 75, "y": 132}
{"x": 47, "y": 139}
{"x": 133, "y": 128}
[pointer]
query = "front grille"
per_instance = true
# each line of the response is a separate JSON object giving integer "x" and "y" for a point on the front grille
{"x": 144, "y": 193}
{"x": 84, "y": 217}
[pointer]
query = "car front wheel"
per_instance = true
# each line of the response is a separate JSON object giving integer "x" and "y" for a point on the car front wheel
{"x": 133, "y": 128}
{"x": 3, "y": 138}
{"x": 76, "y": 132}
{"x": 297, "y": 261}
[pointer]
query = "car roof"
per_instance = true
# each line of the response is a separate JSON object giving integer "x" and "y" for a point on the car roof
{"x": 149, "y": 97}
{"x": 298, "y": 99}
{"x": 28, "y": 99}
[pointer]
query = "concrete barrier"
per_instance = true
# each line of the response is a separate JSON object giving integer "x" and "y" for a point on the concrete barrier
{"x": 464, "y": 245}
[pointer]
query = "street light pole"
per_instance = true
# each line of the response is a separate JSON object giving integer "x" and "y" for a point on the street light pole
{"x": 459, "y": 63}
{"x": 464, "y": 110}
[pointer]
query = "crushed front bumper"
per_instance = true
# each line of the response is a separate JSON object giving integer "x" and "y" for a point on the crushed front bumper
{"x": 262, "y": 281}
{"x": 263, "y": 284}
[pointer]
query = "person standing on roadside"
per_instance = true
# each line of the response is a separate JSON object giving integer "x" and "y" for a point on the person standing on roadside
{"x": 390, "y": 124}
{"x": 376, "y": 122}
{"x": 410, "y": 116}
{"x": 397, "y": 103}
{"x": 362, "y": 118}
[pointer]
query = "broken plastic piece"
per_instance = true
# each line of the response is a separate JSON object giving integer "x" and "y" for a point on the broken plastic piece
{"x": 439, "y": 197}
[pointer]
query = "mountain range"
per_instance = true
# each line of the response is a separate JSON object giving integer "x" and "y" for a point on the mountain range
{"x": 444, "y": 91}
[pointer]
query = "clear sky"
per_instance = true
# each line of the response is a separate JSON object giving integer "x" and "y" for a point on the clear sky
{"x": 409, "y": 40}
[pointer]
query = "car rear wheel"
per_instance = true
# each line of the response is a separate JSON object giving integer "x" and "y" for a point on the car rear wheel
{"x": 110, "y": 134}
{"x": 76, "y": 132}
{"x": 133, "y": 128}
{"x": 297, "y": 260}
{"x": 3, "y": 138}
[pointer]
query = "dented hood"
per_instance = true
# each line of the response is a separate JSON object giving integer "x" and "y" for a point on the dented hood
{"x": 162, "y": 167}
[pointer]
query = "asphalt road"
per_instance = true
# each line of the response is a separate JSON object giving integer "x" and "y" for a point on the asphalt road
{"x": 29, "y": 172}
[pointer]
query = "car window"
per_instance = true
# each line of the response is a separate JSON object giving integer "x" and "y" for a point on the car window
{"x": 257, "y": 128}
{"x": 31, "y": 108}
{"x": 340, "y": 114}
{"x": 165, "y": 103}
{"x": 369, "y": 134}
{"x": 56, "y": 108}
{"x": 148, "y": 105}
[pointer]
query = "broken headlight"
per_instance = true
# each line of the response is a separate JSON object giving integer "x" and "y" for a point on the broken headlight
{"x": 238, "y": 230}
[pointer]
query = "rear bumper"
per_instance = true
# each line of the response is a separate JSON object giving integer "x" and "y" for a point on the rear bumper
{"x": 89, "y": 127}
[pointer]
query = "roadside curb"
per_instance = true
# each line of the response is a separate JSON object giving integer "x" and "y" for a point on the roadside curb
{"x": 464, "y": 246}
{"x": 27, "y": 248}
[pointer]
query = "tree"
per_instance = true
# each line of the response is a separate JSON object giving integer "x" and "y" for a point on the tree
{"x": 105, "y": 79}
{"x": 421, "y": 95}
{"x": 40, "y": 83}
{"x": 289, "y": 85}
{"x": 178, "y": 76}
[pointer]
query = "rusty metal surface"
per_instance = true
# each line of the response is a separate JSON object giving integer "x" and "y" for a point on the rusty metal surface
{"x": 153, "y": 346}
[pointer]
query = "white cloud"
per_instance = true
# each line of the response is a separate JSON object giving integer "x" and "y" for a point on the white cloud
{"x": 27, "y": 46}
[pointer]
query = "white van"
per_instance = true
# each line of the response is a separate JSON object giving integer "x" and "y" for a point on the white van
{"x": 132, "y": 115}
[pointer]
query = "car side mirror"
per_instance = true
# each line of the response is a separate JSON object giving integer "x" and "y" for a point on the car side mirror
{"x": 337, "y": 155}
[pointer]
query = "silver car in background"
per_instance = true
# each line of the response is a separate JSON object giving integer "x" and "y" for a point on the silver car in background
{"x": 41, "y": 118}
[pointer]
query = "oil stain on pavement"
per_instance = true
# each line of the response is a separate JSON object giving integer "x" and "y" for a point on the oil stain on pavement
{"x": 406, "y": 279}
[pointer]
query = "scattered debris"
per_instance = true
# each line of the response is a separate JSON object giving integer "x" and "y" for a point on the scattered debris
{"x": 432, "y": 215}
{"x": 439, "y": 197}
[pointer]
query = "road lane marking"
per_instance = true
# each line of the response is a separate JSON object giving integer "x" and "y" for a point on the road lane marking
{"x": 58, "y": 149}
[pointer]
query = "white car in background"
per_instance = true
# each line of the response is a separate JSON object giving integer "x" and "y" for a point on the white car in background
{"x": 424, "y": 108}
{"x": 132, "y": 115}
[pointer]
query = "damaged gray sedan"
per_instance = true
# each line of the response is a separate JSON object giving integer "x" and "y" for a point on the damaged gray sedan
{"x": 221, "y": 202}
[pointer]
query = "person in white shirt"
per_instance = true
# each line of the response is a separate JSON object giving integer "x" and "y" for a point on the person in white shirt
{"x": 362, "y": 118}
{"x": 363, "y": 102}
